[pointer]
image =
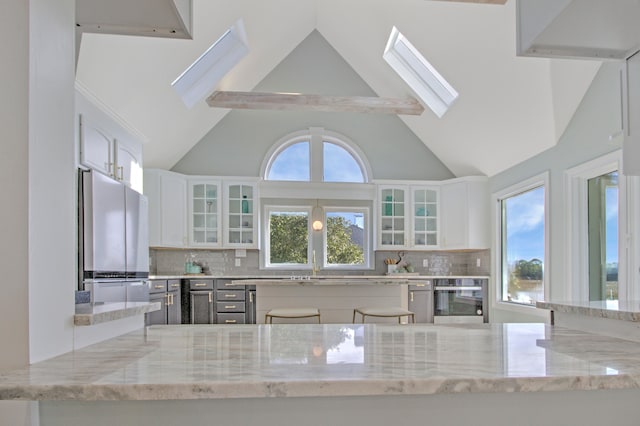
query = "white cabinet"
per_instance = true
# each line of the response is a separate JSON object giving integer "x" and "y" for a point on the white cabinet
{"x": 631, "y": 117}
{"x": 241, "y": 214}
{"x": 465, "y": 214}
{"x": 106, "y": 146}
{"x": 408, "y": 217}
{"x": 167, "y": 194}
{"x": 205, "y": 202}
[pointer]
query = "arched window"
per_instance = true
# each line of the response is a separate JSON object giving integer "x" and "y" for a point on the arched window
{"x": 316, "y": 156}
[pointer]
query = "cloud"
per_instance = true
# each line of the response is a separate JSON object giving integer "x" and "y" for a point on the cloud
{"x": 525, "y": 212}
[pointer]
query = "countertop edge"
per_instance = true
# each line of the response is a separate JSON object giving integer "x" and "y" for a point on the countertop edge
{"x": 313, "y": 388}
{"x": 114, "y": 311}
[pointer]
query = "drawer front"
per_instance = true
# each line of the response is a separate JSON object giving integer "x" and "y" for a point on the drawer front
{"x": 222, "y": 295}
{"x": 173, "y": 285}
{"x": 200, "y": 284}
{"x": 226, "y": 285}
{"x": 237, "y": 318}
{"x": 230, "y": 306}
{"x": 157, "y": 286}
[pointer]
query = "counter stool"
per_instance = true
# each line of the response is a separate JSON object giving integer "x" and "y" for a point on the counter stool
{"x": 291, "y": 313}
{"x": 383, "y": 312}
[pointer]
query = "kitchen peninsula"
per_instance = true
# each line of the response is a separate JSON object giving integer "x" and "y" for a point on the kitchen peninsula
{"x": 354, "y": 374}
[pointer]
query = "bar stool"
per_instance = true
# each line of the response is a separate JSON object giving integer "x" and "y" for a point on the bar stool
{"x": 291, "y": 313}
{"x": 387, "y": 312}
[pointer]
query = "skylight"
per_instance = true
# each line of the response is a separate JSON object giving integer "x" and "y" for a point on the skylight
{"x": 201, "y": 78}
{"x": 418, "y": 73}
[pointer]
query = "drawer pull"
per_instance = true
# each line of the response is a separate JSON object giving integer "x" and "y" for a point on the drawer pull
{"x": 230, "y": 321}
{"x": 175, "y": 285}
{"x": 230, "y": 296}
{"x": 200, "y": 284}
{"x": 229, "y": 285}
{"x": 230, "y": 306}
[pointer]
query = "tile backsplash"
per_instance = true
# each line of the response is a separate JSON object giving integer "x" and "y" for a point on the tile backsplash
{"x": 223, "y": 262}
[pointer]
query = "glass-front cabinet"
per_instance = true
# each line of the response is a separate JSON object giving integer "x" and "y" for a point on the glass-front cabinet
{"x": 424, "y": 213}
{"x": 408, "y": 217}
{"x": 393, "y": 223}
{"x": 241, "y": 214}
{"x": 205, "y": 204}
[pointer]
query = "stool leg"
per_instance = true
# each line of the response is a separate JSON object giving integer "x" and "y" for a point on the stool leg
{"x": 319, "y": 318}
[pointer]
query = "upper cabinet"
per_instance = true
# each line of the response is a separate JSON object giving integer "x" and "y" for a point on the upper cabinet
{"x": 205, "y": 204}
{"x": 167, "y": 194}
{"x": 465, "y": 214}
{"x": 408, "y": 217}
{"x": 106, "y": 146}
{"x": 241, "y": 217}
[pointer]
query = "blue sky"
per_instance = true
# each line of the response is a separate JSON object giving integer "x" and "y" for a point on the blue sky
{"x": 525, "y": 226}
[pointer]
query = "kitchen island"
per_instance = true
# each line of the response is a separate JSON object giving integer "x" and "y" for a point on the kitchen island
{"x": 352, "y": 374}
{"x": 335, "y": 297}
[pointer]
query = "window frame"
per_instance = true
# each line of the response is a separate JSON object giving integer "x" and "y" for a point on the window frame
{"x": 268, "y": 209}
{"x": 316, "y": 137}
{"x": 366, "y": 243}
{"x": 576, "y": 227}
{"x": 541, "y": 180}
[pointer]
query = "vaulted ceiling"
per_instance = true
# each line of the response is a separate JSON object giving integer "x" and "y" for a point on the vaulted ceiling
{"x": 509, "y": 109}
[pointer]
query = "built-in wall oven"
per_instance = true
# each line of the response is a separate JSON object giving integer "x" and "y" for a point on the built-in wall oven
{"x": 459, "y": 300}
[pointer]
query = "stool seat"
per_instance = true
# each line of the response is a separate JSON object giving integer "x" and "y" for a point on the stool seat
{"x": 291, "y": 313}
{"x": 384, "y": 312}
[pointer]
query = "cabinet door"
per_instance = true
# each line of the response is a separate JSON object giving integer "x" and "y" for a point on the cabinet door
{"x": 421, "y": 303}
{"x": 393, "y": 219}
{"x": 173, "y": 308}
{"x": 465, "y": 215}
{"x": 202, "y": 307}
{"x": 128, "y": 161}
{"x": 96, "y": 147}
{"x": 157, "y": 317}
{"x": 241, "y": 215}
{"x": 204, "y": 213}
{"x": 424, "y": 213}
{"x": 173, "y": 202}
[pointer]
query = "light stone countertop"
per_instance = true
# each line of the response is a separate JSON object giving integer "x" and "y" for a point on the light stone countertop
{"x": 319, "y": 277}
{"x": 294, "y": 360}
{"x": 611, "y": 309}
{"x": 87, "y": 314}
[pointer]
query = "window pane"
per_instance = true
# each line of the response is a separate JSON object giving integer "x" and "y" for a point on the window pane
{"x": 345, "y": 238}
{"x": 292, "y": 163}
{"x": 523, "y": 247}
{"x": 288, "y": 237}
{"x": 603, "y": 237}
{"x": 339, "y": 165}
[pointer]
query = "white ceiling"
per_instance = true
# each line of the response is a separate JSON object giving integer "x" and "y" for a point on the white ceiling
{"x": 510, "y": 108}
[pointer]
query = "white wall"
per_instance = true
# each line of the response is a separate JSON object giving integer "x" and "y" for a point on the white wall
{"x": 239, "y": 143}
{"x": 586, "y": 138}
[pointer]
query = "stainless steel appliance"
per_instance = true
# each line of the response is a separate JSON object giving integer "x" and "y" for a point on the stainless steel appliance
{"x": 113, "y": 246}
{"x": 460, "y": 300}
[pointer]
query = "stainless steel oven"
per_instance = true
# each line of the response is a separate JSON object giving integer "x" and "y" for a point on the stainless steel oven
{"x": 458, "y": 300}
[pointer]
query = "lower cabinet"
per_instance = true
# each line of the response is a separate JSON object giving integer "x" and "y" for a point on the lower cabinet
{"x": 201, "y": 301}
{"x": 167, "y": 293}
{"x": 235, "y": 304}
{"x": 421, "y": 301}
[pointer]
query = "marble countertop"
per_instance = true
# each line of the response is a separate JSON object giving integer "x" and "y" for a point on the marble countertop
{"x": 286, "y": 277}
{"x": 294, "y": 360}
{"x": 612, "y": 309}
{"x": 87, "y": 314}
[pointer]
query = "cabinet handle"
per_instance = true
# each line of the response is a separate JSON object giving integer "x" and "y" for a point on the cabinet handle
{"x": 158, "y": 286}
{"x": 200, "y": 284}
{"x": 230, "y": 306}
{"x": 411, "y": 293}
{"x": 250, "y": 297}
{"x": 230, "y": 296}
{"x": 210, "y": 297}
{"x": 229, "y": 284}
{"x": 171, "y": 298}
{"x": 230, "y": 321}
{"x": 175, "y": 285}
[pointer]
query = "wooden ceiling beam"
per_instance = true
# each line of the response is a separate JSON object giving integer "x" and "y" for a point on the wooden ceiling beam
{"x": 296, "y": 101}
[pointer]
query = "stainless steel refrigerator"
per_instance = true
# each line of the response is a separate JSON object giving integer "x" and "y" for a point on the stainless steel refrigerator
{"x": 113, "y": 244}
